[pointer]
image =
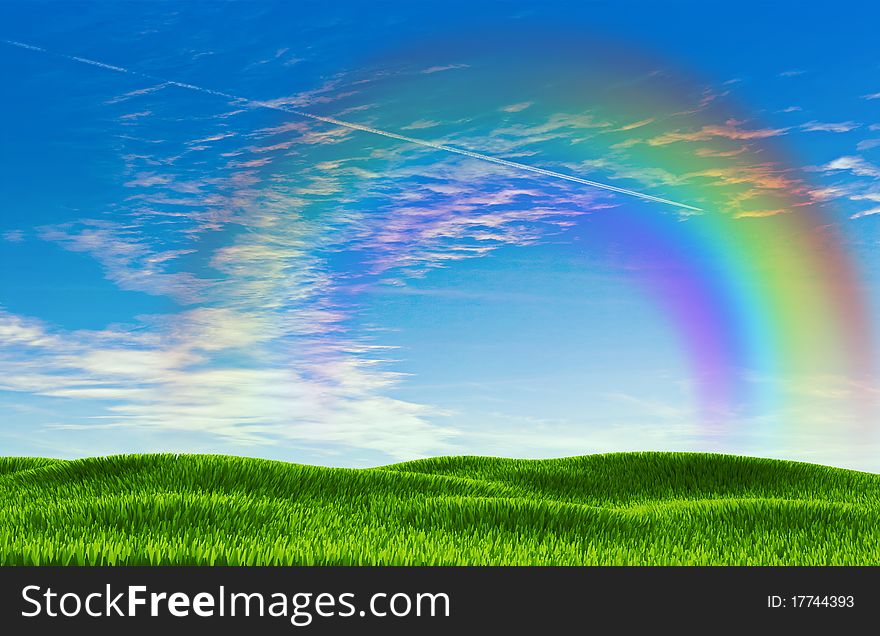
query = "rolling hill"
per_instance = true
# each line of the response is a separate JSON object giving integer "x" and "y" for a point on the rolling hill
{"x": 616, "y": 509}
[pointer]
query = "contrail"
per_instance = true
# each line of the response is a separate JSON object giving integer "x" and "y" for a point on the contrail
{"x": 352, "y": 126}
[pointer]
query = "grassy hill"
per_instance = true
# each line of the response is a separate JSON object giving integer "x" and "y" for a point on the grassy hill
{"x": 632, "y": 508}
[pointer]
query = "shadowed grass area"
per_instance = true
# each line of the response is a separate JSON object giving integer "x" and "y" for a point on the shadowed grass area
{"x": 629, "y": 508}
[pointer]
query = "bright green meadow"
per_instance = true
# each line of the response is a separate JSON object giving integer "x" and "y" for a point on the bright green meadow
{"x": 630, "y": 508}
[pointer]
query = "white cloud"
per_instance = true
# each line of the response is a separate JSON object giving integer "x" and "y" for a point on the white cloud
{"x": 13, "y": 236}
{"x": 138, "y": 93}
{"x": 441, "y": 68}
{"x": 838, "y": 127}
{"x": 864, "y": 213}
{"x": 19, "y": 331}
{"x": 515, "y": 108}
{"x": 868, "y": 196}
{"x": 128, "y": 259}
{"x": 181, "y": 376}
{"x": 421, "y": 124}
{"x": 856, "y": 165}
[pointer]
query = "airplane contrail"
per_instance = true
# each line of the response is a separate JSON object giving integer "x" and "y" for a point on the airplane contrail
{"x": 353, "y": 126}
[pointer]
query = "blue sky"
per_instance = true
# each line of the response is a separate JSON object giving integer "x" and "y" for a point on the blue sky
{"x": 184, "y": 271}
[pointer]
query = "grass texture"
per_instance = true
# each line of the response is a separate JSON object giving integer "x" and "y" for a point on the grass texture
{"x": 617, "y": 509}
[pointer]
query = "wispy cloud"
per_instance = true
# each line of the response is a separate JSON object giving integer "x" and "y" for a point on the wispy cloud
{"x": 137, "y": 115}
{"x": 838, "y": 127}
{"x": 421, "y": 124}
{"x": 128, "y": 259}
{"x": 732, "y": 130}
{"x": 636, "y": 124}
{"x": 137, "y": 93}
{"x": 864, "y": 213}
{"x": 515, "y": 108}
{"x": 869, "y": 196}
{"x": 444, "y": 67}
{"x": 855, "y": 164}
{"x": 864, "y": 189}
{"x": 167, "y": 381}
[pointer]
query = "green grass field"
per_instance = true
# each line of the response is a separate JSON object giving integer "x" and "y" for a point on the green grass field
{"x": 633, "y": 508}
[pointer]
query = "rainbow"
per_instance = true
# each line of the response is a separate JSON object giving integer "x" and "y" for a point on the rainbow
{"x": 759, "y": 285}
